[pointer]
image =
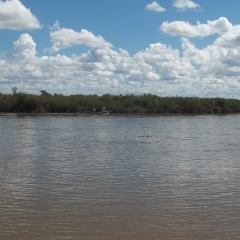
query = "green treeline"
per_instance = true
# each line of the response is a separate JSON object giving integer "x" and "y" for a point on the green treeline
{"x": 146, "y": 103}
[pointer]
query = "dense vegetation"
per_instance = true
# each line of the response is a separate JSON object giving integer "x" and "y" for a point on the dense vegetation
{"x": 147, "y": 103}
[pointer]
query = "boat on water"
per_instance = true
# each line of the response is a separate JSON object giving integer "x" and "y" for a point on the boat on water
{"x": 102, "y": 112}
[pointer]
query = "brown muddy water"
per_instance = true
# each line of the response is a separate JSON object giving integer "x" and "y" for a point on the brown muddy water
{"x": 119, "y": 177}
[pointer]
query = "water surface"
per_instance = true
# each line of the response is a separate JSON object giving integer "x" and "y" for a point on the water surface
{"x": 119, "y": 177}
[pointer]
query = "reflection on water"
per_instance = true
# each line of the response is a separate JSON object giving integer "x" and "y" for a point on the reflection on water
{"x": 119, "y": 177}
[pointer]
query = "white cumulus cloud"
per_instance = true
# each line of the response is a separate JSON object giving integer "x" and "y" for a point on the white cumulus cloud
{"x": 158, "y": 69}
{"x": 230, "y": 39}
{"x": 185, "y": 4}
{"x": 219, "y": 62}
{"x": 64, "y": 38}
{"x": 185, "y": 29}
{"x": 15, "y": 16}
{"x": 155, "y": 6}
{"x": 24, "y": 48}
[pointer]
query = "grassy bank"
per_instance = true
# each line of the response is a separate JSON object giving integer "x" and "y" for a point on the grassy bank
{"x": 147, "y": 103}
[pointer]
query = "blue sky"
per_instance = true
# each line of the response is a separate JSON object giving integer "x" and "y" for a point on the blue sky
{"x": 163, "y": 47}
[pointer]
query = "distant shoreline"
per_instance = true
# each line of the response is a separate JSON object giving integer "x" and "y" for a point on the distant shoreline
{"x": 23, "y": 103}
{"x": 21, "y": 114}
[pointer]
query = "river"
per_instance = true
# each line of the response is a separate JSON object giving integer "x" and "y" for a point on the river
{"x": 119, "y": 177}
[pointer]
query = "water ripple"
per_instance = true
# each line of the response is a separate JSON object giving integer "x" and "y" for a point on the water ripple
{"x": 80, "y": 177}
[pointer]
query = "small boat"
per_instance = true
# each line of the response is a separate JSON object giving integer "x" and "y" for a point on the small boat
{"x": 102, "y": 112}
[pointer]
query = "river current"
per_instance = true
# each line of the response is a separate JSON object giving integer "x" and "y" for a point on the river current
{"x": 119, "y": 177}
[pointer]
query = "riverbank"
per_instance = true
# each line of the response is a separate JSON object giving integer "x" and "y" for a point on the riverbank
{"x": 135, "y": 104}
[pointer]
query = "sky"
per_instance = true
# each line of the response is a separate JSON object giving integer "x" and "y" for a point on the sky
{"x": 162, "y": 47}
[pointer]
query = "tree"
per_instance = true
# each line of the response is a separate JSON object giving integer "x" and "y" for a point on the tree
{"x": 45, "y": 93}
{"x": 14, "y": 90}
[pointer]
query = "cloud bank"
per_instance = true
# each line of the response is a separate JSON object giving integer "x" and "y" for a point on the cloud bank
{"x": 15, "y": 16}
{"x": 158, "y": 69}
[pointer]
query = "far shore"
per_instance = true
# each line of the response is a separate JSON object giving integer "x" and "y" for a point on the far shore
{"x": 46, "y": 103}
